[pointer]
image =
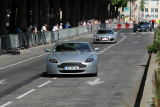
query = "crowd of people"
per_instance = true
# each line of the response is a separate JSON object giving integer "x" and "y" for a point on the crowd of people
{"x": 57, "y": 27}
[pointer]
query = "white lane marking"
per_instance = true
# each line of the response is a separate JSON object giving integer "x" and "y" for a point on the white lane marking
{"x": 133, "y": 33}
{"x": 111, "y": 45}
{"x": 122, "y": 33}
{"x": 95, "y": 82}
{"x": 6, "y": 104}
{"x": 54, "y": 78}
{"x": 21, "y": 96}
{"x": 135, "y": 42}
{"x": 3, "y": 81}
{"x": 139, "y": 36}
{"x": 22, "y": 61}
{"x": 44, "y": 84}
{"x": 143, "y": 33}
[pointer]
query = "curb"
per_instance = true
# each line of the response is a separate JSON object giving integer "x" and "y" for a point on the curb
{"x": 148, "y": 93}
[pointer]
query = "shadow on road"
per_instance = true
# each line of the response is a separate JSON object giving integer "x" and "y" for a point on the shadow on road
{"x": 141, "y": 89}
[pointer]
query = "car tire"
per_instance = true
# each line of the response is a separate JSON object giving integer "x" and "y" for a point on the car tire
{"x": 134, "y": 30}
{"x": 95, "y": 75}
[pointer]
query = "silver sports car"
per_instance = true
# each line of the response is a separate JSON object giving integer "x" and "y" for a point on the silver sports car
{"x": 71, "y": 58}
{"x": 105, "y": 35}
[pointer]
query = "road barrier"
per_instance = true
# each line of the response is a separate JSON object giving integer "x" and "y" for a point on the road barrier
{"x": 119, "y": 26}
{"x": 25, "y": 40}
{"x": 123, "y": 25}
{"x": 126, "y": 25}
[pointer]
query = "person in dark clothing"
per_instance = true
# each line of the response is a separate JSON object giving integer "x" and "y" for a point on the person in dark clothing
{"x": 153, "y": 23}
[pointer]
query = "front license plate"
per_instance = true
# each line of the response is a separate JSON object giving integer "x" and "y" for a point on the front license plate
{"x": 71, "y": 68}
{"x": 138, "y": 29}
{"x": 104, "y": 39}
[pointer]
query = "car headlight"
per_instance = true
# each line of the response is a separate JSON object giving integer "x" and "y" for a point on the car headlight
{"x": 113, "y": 37}
{"x": 89, "y": 60}
{"x": 95, "y": 37}
{"x": 53, "y": 61}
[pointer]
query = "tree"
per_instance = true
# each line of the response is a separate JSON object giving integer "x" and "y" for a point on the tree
{"x": 12, "y": 22}
{"x": 89, "y": 9}
{"x": 35, "y": 12}
{"x": 56, "y": 12}
{"x": 142, "y": 4}
{"x": 95, "y": 9}
{"x": 3, "y": 16}
{"x": 29, "y": 5}
{"x": 21, "y": 13}
{"x": 83, "y": 9}
{"x": 73, "y": 12}
{"x": 45, "y": 12}
{"x": 65, "y": 11}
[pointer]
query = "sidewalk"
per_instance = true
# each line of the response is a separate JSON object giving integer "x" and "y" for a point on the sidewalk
{"x": 148, "y": 93}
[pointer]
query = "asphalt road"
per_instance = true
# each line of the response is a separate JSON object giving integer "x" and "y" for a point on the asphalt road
{"x": 120, "y": 70}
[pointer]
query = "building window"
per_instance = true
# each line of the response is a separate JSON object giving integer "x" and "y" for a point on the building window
{"x": 156, "y": 10}
{"x": 142, "y": 10}
{"x": 146, "y": 15}
{"x": 146, "y": 9}
{"x": 156, "y": 16}
{"x": 145, "y": 2}
{"x": 152, "y": 16}
{"x": 152, "y": 10}
{"x": 154, "y": 2}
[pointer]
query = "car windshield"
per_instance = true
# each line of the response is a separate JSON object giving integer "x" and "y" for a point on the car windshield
{"x": 82, "y": 47}
{"x": 105, "y": 32}
{"x": 143, "y": 23}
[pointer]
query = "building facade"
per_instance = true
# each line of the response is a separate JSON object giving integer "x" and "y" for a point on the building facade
{"x": 134, "y": 10}
{"x": 151, "y": 10}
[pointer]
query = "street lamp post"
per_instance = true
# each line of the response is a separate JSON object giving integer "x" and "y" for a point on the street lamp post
{"x": 130, "y": 9}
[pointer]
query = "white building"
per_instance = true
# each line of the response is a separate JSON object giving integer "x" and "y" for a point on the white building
{"x": 151, "y": 10}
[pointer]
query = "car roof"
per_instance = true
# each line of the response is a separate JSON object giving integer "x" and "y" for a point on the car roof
{"x": 70, "y": 42}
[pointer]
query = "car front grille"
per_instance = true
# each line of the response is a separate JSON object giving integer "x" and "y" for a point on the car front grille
{"x": 71, "y": 71}
{"x": 71, "y": 64}
{"x": 97, "y": 39}
{"x": 112, "y": 39}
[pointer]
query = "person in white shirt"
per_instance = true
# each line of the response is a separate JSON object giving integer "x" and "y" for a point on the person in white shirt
{"x": 55, "y": 28}
{"x": 44, "y": 28}
{"x": 84, "y": 23}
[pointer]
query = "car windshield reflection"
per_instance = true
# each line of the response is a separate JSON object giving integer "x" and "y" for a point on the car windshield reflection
{"x": 69, "y": 47}
{"x": 105, "y": 32}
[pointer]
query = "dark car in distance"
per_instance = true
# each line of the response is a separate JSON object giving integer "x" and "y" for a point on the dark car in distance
{"x": 142, "y": 26}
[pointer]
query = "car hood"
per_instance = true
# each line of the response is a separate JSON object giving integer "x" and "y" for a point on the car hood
{"x": 142, "y": 25}
{"x": 105, "y": 35}
{"x": 71, "y": 56}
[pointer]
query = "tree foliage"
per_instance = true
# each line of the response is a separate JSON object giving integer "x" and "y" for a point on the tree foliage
{"x": 26, "y": 12}
{"x": 142, "y": 4}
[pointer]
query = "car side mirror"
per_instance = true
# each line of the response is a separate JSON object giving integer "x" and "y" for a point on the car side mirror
{"x": 47, "y": 50}
{"x": 96, "y": 49}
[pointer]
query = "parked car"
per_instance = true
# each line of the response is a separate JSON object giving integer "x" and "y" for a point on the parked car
{"x": 72, "y": 58}
{"x": 105, "y": 35}
{"x": 142, "y": 26}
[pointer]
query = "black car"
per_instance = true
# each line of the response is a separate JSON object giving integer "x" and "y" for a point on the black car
{"x": 142, "y": 26}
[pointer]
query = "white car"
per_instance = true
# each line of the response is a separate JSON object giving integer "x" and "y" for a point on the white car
{"x": 105, "y": 35}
